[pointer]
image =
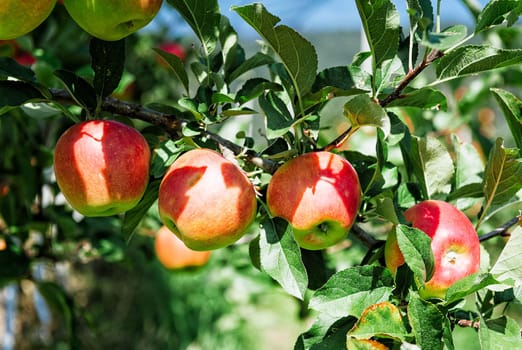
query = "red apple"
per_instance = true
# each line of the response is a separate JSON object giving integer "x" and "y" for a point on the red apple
{"x": 174, "y": 48}
{"x": 319, "y": 194}
{"x": 454, "y": 242}
{"x": 102, "y": 167}
{"x": 174, "y": 254}
{"x": 207, "y": 200}
{"x": 10, "y": 48}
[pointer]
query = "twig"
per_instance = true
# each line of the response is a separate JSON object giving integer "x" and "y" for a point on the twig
{"x": 367, "y": 239}
{"x": 502, "y": 230}
{"x": 169, "y": 122}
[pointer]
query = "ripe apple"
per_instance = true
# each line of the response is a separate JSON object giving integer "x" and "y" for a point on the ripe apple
{"x": 207, "y": 200}
{"x": 102, "y": 167}
{"x": 173, "y": 48}
{"x": 112, "y": 20}
{"x": 454, "y": 242}
{"x": 174, "y": 254}
{"x": 18, "y": 18}
{"x": 319, "y": 194}
{"x": 10, "y": 48}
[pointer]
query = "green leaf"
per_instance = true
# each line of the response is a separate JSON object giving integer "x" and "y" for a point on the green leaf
{"x": 474, "y": 190}
{"x": 382, "y": 320}
{"x": 350, "y": 291}
{"x": 14, "y": 264}
{"x": 381, "y": 23}
{"x": 177, "y": 66}
{"x": 341, "y": 80}
{"x": 509, "y": 263}
{"x": 253, "y": 88}
{"x": 279, "y": 119}
{"x": 512, "y": 108}
{"x": 80, "y": 90}
{"x": 445, "y": 39}
{"x": 415, "y": 246}
{"x": 296, "y": 53}
{"x": 108, "y": 59}
{"x": 496, "y": 12}
{"x": 361, "y": 110}
{"x": 133, "y": 217}
{"x": 59, "y": 302}
{"x": 325, "y": 333}
{"x": 9, "y": 68}
{"x": 257, "y": 60}
{"x": 501, "y": 333}
{"x": 469, "y": 285}
{"x": 473, "y": 59}
{"x": 502, "y": 175}
{"x": 425, "y": 98}
{"x": 427, "y": 323}
{"x": 364, "y": 344}
{"x": 17, "y": 93}
{"x": 203, "y": 17}
{"x": 421, "y": 14}
{"x": 430, "y": 162}
{"x": 280, "y": 257}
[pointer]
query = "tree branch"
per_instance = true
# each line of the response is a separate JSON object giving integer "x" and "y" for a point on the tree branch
{"x": 169, "y": 122}
{"x": 502, "y": 230}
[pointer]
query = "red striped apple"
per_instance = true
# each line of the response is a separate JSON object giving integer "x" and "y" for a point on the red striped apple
{"x": 207, "y": 200}
{"x": 18, "y": 18}
{"x": 454, "y": 242}
{"x": 319, "y": 194}
{"x": 102, "y": 167}
{"x": 112, "y": 20}
{"x": 172, "y": 253}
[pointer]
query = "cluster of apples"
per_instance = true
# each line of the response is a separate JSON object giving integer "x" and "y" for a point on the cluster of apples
{"x": 106, "y": 20}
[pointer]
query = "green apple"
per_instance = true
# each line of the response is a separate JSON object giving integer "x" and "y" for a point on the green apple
{"x": 102, "y": 167}
{"x": 207, "y": 200}
{"x": 112, "y": 20}
{"x": 19, "y": 17}
{"x": 319, "y": 194}
{"x": 454, "y": 242}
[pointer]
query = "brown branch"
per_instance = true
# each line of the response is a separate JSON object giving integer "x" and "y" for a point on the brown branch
{"x": 366, "y": 239}
{"x": 169, "y": 122}
{"x": 502, "y": 230}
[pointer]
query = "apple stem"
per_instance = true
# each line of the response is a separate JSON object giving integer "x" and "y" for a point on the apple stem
{"x": 502, "y": 230}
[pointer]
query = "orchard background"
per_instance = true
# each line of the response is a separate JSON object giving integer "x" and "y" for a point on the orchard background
{"x": 431, "y": 110}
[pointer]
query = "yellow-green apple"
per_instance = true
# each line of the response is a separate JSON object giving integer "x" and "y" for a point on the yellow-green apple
{"x": 207, "y": 200}
{"x": 454, "y": 242}
{"x": 102, "y": 167}
{"x": 319, "y": 194}
{"x": 172, "y": 253}
{"x": 112, "y": 20}
{"x": 18, "y": 17}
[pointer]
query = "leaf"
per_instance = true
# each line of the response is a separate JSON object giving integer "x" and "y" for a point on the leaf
{"x": 512, "y": 108}
{"x": 10, "y": 68}
{"x": 253, "y": 88}
{"x": 14, "y": 264}
{"x": 80, "y": 90}
{"x": 427, "y": 323}
{"x": 509, "y": 263}
{"x": 415, "y": 246}
{"x": 350, "y": 291}
{"x": 133, "y": 217}
{"x": 17, "y": 93}
{"x": 59, "y": 302}
{"x": 381, "y": 23}
{"x": 108, "y": 59}
{"x": 425, "y": 98}
{"x": 502, "y": 175}
{"x": 279, "y": 119}
{"x": 469, "y": 285}
{"x": 501, "y": 333}
{"x": 203, "y": 17}
{"x": 326, "y": 333}
{"x": 445, "y": 39}
{"x": 364, "y": 344}
{"x": 177, "y": 66}
{"x": 257, "y": 60}
{"x": 296, "y": 53}
{"x": 474, "y": 190}
{"x": 341, "y": 80}
{"x": 380, "y": 320}
{"x": 280, "y": 257}
{"x": 473, "y": 59}
{"x": 421, "y": 14}
{"x": 496, "y": 12}
{"x": 361, "y": 110}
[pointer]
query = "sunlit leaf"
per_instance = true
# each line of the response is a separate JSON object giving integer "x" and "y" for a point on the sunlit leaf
{"x": 500, "y": 333}
{"x": 509, "y": 263}
{"x": 469, "y": 285}
{"x": 512, "y": 108}
{"x": 425, "y": 98}
{"x": 496, "y": 12}
{"x": 363, "y": 111}
{"x": 415, "y": 246}
{"x": 445, "y": 39}
{"x": 380, "y": 320}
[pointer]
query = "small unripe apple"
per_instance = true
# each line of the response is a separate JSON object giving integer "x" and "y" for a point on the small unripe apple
{"x": 207, "y": 200}
{"x": 172, "y": 253}
{"x": 112, "y": 20}
{"x": 18, "y": 17}
{"x": 454, "y": 242}
{"x": 102, "y": 167}
{"x": 319, "y": 194}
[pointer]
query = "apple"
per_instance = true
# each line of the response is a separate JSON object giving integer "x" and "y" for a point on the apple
{"x": 112, "y": 20}
{"x": 102, "y": 167}
{"x": 319, "y": 194}
{"x": 10, "y": 48}
{"x": 207, "y": 200}
{"x": 172, "y": 253}
{"x": 18, "y": 18}
{"x": 173, "y": 48}
{"x": 454, "y": 242}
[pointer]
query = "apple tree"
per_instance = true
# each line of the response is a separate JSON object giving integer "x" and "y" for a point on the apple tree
{"x": 383, "y": 195}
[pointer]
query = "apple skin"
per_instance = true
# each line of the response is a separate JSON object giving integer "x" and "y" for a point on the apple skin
{"x": 319, "y": 194}
{"x": 112, "y": 20}
{"x": 102, "y": 167}
{"x": 173, "y": 254}
{"x": 207, "y": 200}
{"x": 454, "y": 242}
{"x": 18, "y": 17}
